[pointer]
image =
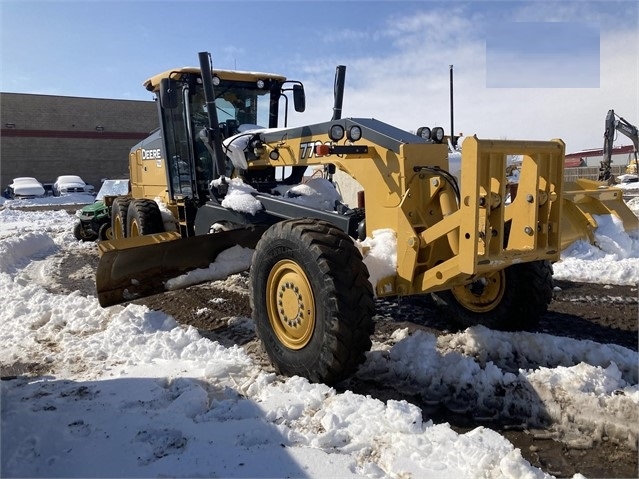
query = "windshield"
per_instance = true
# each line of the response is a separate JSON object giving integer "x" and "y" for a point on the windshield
{"x": 235, "y": 106}
{"x": 113, "y": 188}
{"x": 70, "y": 179}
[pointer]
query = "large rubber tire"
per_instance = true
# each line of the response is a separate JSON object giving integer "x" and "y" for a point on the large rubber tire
{"x": 144, "y": 218}
{"x": 312, "y": 302}
{"x": 119, "y": 215}
{"x": 105, "y": 232}
{"x": 82, "y": 234}
{"x": 512, "y": 299}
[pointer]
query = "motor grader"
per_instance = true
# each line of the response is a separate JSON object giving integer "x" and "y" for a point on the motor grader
{"x": 485, "y": 259}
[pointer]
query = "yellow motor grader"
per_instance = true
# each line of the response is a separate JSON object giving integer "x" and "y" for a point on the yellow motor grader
{"x": 487, "y": 261}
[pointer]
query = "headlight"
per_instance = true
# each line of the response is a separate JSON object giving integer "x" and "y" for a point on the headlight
{"x": 336, "y": 132}
{"x": 216, "y": 80}
{"x": 260, "y": 84}
{"x": 424, "y": 132}
{"x": 438, "y": 134}
{"x": 354, "y": 133}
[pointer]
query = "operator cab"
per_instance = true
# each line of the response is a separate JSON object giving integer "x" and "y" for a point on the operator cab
{"x": 243, "y": 100}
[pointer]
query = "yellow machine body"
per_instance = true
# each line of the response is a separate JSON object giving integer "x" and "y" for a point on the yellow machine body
{"x": 447, "y": 234}
{"x": 441, "y": 243}
{"x": 583, "y": 201}
{"x": 486, "y": 258}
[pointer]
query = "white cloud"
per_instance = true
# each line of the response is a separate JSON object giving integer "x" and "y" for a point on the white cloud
{"x": 397, "y": 64}
{"x": 409, "y": 86}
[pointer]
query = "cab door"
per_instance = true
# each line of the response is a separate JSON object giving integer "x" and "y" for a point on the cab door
{"x": 179, "y": 147}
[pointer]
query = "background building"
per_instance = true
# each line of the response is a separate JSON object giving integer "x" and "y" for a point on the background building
{"x": 45, "y": 136}
{"x": 620, "y": 155}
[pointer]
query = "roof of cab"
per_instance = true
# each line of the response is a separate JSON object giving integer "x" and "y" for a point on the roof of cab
{"x": 153, "y": 83}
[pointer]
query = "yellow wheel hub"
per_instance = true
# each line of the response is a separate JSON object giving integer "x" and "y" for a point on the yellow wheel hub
{"x": 290, "y": 304}
{"x": 483, "y": 294}
{"x": 117, "y": 227}
{"x": 135, "y": 229}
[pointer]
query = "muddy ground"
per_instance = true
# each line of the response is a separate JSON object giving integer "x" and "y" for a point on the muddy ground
{"x": 601, "y": 313}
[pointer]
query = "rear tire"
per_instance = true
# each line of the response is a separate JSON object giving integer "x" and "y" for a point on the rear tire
{"x": 82, "y": 234}
{"x": 119, "y": 215}
{"x": 512, "y": 299}
{"x": 144, "y": 218}
{"x": 312, "y": 301}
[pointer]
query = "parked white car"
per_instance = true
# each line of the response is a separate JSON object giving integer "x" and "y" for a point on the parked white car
{"x": 24, "y": 187}
{"x": 67, "y": 184}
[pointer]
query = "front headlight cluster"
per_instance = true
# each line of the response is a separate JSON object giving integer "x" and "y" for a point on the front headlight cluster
{"x": 435, "y": 134}
{"x": 337, "y": 132}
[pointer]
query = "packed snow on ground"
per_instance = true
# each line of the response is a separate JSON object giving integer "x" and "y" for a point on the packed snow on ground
{"x": 135, "y": 394}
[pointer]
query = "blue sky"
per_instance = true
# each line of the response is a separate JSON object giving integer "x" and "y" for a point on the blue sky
{"x": 523, "y": 69}
{"x": 543, "y": 54}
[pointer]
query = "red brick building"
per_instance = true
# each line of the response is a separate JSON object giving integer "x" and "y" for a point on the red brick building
{"x": 45, "y": 136}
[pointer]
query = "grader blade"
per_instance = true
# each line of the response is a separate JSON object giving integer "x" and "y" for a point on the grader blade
{"x": 582, "y": 201}
{"x": 137, "y": 267}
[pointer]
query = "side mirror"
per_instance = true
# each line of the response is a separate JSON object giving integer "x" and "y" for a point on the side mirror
{"x": 168, "y": 93}
{"x": 299, "y": 98}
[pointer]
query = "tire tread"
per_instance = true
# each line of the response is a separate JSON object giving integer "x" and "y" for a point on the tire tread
{"x": 350, "y": 305}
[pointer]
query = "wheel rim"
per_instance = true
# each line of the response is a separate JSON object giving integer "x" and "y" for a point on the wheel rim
{"x": 117, "y": 228}
{"x": 134, "y": 229}
{"x": 290, "y": 304}
{"x": 106, "y": 232}
{"x": 483, "y": 294}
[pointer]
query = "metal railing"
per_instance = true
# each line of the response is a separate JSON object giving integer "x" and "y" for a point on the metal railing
{"x": 590, "y": 172}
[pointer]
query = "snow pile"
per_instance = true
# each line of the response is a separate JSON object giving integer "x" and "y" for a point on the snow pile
{"x": 613, "y": 244}
{"x": 612, "y": 238}
{"x": 229, "y": 261}
{"x": 583, "y": 388}
{"x": 19, "y": 251}
{"x": 239, "y": 196}
{"x": 15, "y": 222}
{"x": 318, "y": 193}
{"x": 633, "y": 203}
{"x": 128, "y": 392}
{"x": 225, "y": 417}
{"x": 80, "y": 199}
{"x": 380, "y": 255}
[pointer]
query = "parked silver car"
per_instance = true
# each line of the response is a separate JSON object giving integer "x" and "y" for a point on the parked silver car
{"x": 24, "y": 187}
{"x": 67, "y": 184}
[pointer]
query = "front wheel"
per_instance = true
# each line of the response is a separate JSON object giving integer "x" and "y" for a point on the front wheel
{"x": 511, "y": 299}
{"x": 311, "y": 299}
{"x": 144, "y": 218}
{"x": 119, "y": 215}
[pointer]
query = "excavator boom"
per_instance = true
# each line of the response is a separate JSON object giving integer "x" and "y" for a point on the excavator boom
{"x": 615, "y": 123}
